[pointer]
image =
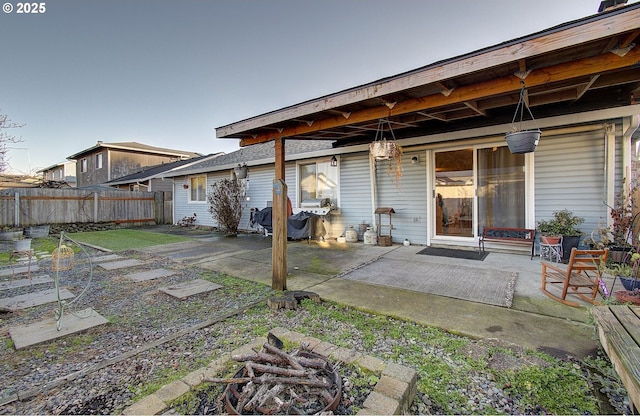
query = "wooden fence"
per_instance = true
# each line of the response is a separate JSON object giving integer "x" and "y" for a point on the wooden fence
{"x": 34, "y": 206}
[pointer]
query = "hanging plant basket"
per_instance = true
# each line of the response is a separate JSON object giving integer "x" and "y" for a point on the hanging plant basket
{"x": 522, "y": 141}
{"x": 387, "y": 149}
{"x": 241, "y": 171}
{"x": 384, "y": 150}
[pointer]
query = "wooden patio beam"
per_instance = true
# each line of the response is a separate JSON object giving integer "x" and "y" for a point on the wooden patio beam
{"x": 537, "y": 77}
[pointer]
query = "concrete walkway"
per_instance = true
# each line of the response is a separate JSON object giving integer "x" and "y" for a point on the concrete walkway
{"x": 534, "y": 321}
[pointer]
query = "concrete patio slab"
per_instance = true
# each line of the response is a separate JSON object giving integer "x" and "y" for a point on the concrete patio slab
{"x": 12, "y": 284}
{"x": 114, "y": 265}
{"x": 193, "y": 287}
{"x": 19, "y": 270}
{"x": 150, "y": 275}
{"x": 39, "y": 332}
{"x": 29, "y": 300}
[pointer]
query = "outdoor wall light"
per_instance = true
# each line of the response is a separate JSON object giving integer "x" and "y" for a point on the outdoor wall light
{"x": 414, "y": 160}
{"x": 334, "y": 161}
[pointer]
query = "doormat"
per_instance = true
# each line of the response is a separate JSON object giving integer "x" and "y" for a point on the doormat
{"x": 489, "y": 286}
{"x": 456, "y": 254}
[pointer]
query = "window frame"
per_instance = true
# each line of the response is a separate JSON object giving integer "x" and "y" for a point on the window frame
{"x": 193, "y": 182}
{"x": 322, "y": 160}
{"x": 99, "y": 160}
{"x": 84, "y": 165}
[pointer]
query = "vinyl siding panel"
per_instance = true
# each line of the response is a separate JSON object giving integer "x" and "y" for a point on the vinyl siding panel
{"x": 569, "y": 173}
{"x": 355, "y": 194}
{"x": 408, "y": 198}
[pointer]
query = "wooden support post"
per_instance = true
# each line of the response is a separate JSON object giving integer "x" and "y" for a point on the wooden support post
{"x": 279, "y": 221}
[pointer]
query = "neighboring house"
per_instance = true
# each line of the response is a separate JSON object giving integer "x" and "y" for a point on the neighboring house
{"x": 580, "y": 80}
{"x": 148, "y": 179}
{"x": 108, "y": 161}
{"x": 63, "y": 172}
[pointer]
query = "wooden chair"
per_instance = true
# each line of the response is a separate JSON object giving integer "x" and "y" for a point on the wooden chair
{"x": 580, "y": 277}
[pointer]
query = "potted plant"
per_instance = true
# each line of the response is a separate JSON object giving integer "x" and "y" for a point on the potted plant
{"x": 620, "y": 237}
{"x": 564, "y": 223}
{"x": 522, "y": 141}
{"x": 628, "y": 272}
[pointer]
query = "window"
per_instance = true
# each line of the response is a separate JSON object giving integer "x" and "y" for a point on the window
{"x": 197, "y": 188}
{"x": 99, "y": 161}
{"x": 318, "y": 180}
{"x": 83, "y": 165}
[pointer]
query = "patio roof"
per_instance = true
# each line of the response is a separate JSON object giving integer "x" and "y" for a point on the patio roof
{"x": 587, "y": 64}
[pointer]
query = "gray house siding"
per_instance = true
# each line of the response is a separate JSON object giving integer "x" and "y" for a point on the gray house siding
{"x": 569, "y": 173}
{"x": 355, "y": 194}
{"x": 408, "y": 198}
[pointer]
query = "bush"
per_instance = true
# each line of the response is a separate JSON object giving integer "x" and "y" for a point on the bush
{"x": 225, "y": 204}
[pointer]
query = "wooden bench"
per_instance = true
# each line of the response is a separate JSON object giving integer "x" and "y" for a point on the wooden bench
{"x": 619, "y": 333}
{"x": 520, "y": 236}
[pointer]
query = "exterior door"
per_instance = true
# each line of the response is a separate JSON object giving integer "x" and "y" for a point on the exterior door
{"x": 454, "y": 189}
{"x": 489, "y": 182}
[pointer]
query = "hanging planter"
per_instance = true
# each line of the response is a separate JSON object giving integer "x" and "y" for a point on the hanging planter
{"x": 522, "y": 141}
{"x": 241, "y": 171}
{"x": 387, "y": 149}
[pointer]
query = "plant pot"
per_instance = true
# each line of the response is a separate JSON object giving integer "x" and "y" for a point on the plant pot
{"x": 524, "y": 141}
{"x": 617, "y": 254}
{"x": 241, "y": 172}
{"x": 550, "y": 239}
{"x": 625, "y": 296}
{"x": 569, "y": 242}
{"x": 22, "y": 245}
{"x": 383, "y": 150}
{"x": 37, "y": 231}
{"x": 10, "y": 235}
{"x": 629, "y": 283}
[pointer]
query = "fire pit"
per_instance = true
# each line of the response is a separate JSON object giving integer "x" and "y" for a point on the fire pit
{"x": 275, "y": 382}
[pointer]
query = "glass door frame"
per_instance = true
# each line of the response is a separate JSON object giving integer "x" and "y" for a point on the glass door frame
{"x": 431, "y": 190}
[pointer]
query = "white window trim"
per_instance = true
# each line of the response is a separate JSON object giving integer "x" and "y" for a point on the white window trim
{"x": 99, "y": 161}
{"x": 84, "y": 165}
{"x": 189, "y": 190}
{"x": 326, "y": 159}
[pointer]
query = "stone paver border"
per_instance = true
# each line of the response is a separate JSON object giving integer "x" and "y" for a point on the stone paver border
{"x": 392, "y": 395}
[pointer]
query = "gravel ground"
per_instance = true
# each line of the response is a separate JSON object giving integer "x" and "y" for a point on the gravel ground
{"x": 97, "y": 372}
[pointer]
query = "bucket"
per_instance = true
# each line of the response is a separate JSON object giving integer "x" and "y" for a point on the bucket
{"x": 370, "y": 237}
{"x": 351, "y": 235}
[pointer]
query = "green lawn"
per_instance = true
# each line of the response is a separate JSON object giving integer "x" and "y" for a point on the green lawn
{"x": 125, "y": 239}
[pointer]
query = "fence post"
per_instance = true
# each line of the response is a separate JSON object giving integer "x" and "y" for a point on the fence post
{"x": 159, "y": 207}
{"x": 16, "y": 210}
{"x": 95, "y": 206}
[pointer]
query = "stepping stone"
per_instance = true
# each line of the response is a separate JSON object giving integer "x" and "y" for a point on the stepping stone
{"x": 36, "y": 333}
{"x": 190, "y": 288}
{"x": 18, "y": 270}
{"x": 12, "y": 284}
{"x": 150, "y": 275}
{"x": 29, "y": 300}
{"x": 113, "y": 265}
{"x": 106, "y": 257}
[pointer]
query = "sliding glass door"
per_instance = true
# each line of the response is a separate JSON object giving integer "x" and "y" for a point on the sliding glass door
{"x": 490, "y": 180}
{"x": 501, "y": 188}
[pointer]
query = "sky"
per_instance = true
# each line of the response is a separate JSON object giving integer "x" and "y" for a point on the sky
{"x": 166, "y": 73}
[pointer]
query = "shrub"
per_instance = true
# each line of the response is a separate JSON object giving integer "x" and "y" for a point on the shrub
{"x": 225, "y": 204}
